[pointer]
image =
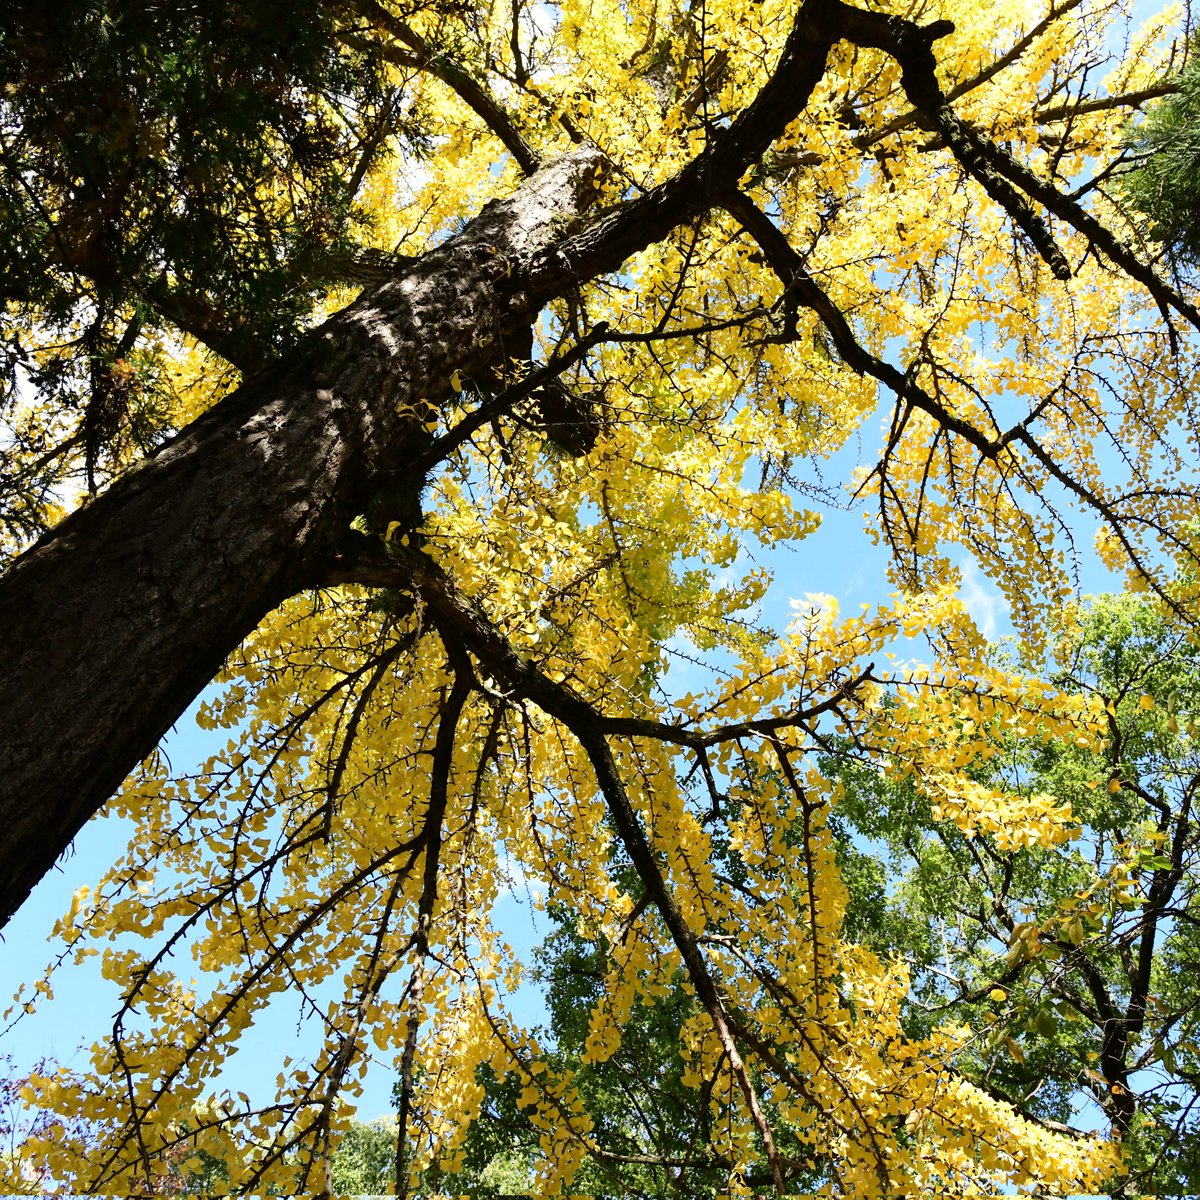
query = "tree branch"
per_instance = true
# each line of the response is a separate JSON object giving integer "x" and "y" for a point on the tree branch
{"x": 439, "y": 791}
{"x": 450, "y": 73}
{"x": 202, "y": 321}
{"x": 996, "y": 171}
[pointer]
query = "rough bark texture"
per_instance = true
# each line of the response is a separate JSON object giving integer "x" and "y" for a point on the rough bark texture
{"x": 112, "y": 624}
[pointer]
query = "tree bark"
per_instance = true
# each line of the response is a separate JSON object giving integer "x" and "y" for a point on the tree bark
{"x": 113, "y": 623}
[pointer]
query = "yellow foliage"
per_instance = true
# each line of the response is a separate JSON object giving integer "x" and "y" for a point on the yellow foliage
{"x": 294, "y": 859}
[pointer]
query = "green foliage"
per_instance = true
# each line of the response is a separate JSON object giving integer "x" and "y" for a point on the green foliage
{"x": 1166, "y": 185}
{"x": 364, "y": 1164}
{"x": 637, "y": 1099}
{"x": 652, "y": 1131}
{"x": 198, "y": 166}
{"x": 1075, "y": 961}
{"x": 173, "y": 164}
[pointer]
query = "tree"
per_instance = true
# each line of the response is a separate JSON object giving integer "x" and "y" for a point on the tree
{"x": 1166, "y": 180}
{"x": 1073, "y": 959}
{"x": 365, "y": 1161}
{"x": 651, "y": 1134}
{"x": 441, "y": 544}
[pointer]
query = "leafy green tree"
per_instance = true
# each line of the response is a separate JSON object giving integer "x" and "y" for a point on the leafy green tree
{"x": 364, "y": 1163}
{"x": 650, "y": 1129}
{"x": 1166, "y": 182}
{"x": 1075, "y": 962}
{"x": 164, "y": 168}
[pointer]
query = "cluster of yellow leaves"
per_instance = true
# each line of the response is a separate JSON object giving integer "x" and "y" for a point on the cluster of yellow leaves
{"x": 266, "y": 906}
{"x": 847, "y": 1079}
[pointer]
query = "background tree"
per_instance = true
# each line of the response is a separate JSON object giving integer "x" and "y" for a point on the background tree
{"x": 652, "y": 1133}
{"x": 1074, "y": 961}
{"x": 364, "y": 1163}
{"x": 447, "y": 541}
{"x": 1165, "y": 182}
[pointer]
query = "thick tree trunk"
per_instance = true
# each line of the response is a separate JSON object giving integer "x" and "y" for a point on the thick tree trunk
{"x": 113, "y": 623}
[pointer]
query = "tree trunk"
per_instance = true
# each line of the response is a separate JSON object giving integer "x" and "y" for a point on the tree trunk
{"x": 112, "y": 624}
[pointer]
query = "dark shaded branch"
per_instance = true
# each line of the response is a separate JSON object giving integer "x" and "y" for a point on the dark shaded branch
{"x": 365, "y": 561}
{"x": 1062, "y": 112}
{"x": 210, "y": 328}
{"x": 996, "y": 171}
{"x": 912, "y": 47}
{"x": 439, "y": 791}
{"x": 789, "y": 266}
{"x": 501, "y": 403}
{"x": 960, "y": 89}
{"x": 608, "y": 239}
{"x": 423, "y": 58}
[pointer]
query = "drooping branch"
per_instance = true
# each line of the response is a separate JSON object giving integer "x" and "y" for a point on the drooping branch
{"x": 383, "y": 663}
{"x": 801, "y": 288}
{"x": 439, "y": 795}
{"x": 788, "y": 265}
{"x": 468, "y": 626}
{"x": 375, "y": 973}
{"x": 996, "y": 171}
{"x": 637, "y": 846}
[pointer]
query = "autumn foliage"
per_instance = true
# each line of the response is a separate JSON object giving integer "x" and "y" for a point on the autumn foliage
{"x": 932, "y": 259}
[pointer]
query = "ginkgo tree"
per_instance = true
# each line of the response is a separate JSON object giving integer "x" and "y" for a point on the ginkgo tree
{"x": 628, "y": 273}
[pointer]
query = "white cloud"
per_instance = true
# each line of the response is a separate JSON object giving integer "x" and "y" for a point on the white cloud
{"x": 987, "y": 606}
{"x": 517, "y": 883}
{"x": 813, "y": 607}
